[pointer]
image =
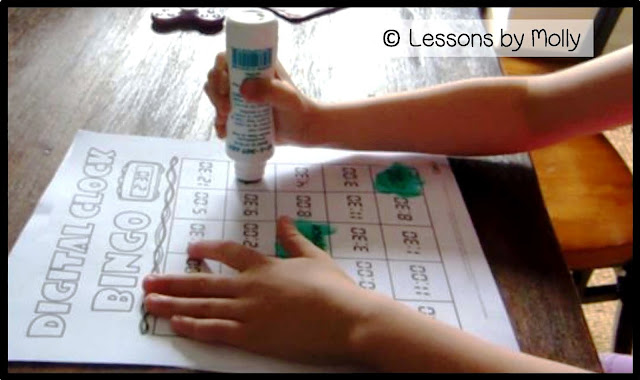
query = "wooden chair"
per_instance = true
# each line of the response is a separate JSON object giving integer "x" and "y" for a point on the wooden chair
{"x": 588, "y": 191}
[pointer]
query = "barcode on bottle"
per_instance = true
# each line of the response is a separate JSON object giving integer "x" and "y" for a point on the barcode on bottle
{"x": 251, "y": 59}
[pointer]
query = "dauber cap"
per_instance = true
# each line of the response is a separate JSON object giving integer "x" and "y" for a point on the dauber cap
{"x": 251, "y": 28}
{"x": 249, "y": 172}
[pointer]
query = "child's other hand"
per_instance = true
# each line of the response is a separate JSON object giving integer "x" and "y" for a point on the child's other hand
{"x": 302, "y": 308}
{"x": 293, "y": 112}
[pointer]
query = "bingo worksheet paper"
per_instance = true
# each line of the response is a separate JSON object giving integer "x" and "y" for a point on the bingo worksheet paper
{"x": 121, "y": 207}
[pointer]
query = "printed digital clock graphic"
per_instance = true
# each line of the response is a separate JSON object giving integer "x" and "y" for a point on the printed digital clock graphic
{"x": 140, "y": 181}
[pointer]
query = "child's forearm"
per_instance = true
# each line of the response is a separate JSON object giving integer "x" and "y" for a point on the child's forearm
{"x": 485, "y": 116}
{"x": 397, "y": 339}
{"x": 478, "y": 116}
{"x": 587, "y": 98}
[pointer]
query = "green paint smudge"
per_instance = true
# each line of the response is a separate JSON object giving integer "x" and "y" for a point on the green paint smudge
{"x": 317, "y": 233}
{"x": 399, "y": 179}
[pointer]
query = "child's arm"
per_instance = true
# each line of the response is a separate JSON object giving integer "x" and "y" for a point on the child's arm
{"x": 305, "y": 308}
{"x": 399, "y": 339}
{"x": 480, "y": 116}
{"x": 486, "y": 115}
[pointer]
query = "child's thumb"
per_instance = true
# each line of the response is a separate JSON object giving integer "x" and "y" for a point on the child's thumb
{"x": 279, "y": 94}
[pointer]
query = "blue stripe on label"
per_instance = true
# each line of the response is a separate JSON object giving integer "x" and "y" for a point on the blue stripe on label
{"x": 248, "y": 59}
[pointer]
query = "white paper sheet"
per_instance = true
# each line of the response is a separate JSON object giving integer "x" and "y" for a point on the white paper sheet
{"x": 119, "y": 204}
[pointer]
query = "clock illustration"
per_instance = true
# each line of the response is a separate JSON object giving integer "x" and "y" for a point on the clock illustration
{"x": 140, "y": 181}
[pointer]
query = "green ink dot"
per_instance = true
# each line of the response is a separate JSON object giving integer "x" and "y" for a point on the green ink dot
{"x": 317, "y": 233}
{"x": 399, "y": 179}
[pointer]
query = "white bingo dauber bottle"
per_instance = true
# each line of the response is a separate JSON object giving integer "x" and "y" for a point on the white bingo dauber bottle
{"x": 252, "y": 41}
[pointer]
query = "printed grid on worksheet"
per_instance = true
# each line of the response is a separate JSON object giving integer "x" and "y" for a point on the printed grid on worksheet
{"x": 385, "y": 242}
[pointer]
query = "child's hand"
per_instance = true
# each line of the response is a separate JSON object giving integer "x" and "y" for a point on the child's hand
{"x": 293, "y": 112}
{"x": 302, "y": 308}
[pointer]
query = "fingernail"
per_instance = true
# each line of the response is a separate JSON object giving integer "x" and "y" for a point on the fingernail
{"x": 191, "y": 248}
{"x": 285, "y": 219}
{"x": 149, "y": 278}
{"x": 156, "y": 296}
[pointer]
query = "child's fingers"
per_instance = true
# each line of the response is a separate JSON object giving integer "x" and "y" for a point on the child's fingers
{"x": 222, "y": 106}
{"x": 221, "y": 127}
{"x": 217, "y": 89}
{"x": 208, "y": 330}
{"x": 167, "y": 306}
{"x": 282, "y": 73}
{"x": 221, "y": 61}
{"x": 293, "y": 241}
{"x": 273, "y": 91}
{"x": 221, "y": 102}
{"x": 219, "y": 74}
{"x": 220, "y": 81}
{"x": 191, "y": 285}
{"x": 235, "y": 255}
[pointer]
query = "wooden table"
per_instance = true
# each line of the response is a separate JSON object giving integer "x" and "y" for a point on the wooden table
{"x": 106, "y": 70}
